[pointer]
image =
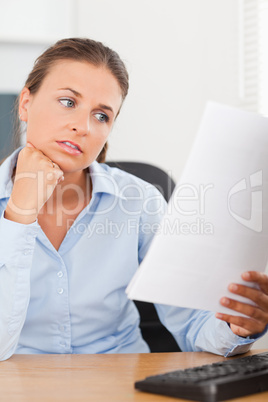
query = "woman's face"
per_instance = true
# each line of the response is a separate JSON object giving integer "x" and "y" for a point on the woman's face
{"x": 76, "y": 104}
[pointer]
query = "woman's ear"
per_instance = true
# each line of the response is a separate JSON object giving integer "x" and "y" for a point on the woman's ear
{"x": 24, "y": 103}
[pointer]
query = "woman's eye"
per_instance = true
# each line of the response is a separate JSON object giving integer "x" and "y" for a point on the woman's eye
{"x": 67, "y": 102}
{"x": 102, "y": 117}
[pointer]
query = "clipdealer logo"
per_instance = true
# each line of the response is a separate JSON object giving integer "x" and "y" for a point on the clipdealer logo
{"x": 255, "y": 220}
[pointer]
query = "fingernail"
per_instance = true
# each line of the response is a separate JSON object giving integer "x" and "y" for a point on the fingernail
{"x": 233, "y": 287}
{"x": 28, "y": 144}
{"x": 219, "y": 315}
{"x": 225, "y": 301}
{"x": 246, "y": 275}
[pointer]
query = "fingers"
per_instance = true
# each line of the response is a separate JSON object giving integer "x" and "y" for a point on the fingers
{"x": 242, "y": 326}
{"x": 54, "y": 172}
{"x": 246, "y": 309}
{"x": 52, "y": 169}
{"x": 258, "y": 277}
{"x": 58, "y": 172}
{"x": 259, "y": 297}
{"x": 254, "y": 317}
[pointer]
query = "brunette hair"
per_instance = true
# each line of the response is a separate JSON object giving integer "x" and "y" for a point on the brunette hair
{"x": 79, "y": 49}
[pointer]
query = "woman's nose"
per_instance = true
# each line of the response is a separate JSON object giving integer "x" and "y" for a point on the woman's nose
{"x": 81, "y": 123}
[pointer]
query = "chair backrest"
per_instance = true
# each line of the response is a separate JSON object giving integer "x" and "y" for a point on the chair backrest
{"x": 158, "y": 338}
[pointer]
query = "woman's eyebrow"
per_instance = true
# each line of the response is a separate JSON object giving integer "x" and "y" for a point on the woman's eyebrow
{"x": 106, "y": 107}
{"x": 72, "y": 90}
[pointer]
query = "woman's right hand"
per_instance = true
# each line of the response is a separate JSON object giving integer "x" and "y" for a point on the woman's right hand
{"x": 35, "y": 180}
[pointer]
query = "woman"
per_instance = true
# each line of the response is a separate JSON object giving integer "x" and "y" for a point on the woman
{"x": 72, "y": 231}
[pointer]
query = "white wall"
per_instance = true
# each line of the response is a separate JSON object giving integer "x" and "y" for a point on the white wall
{"x": 27, "y": 28}
{"x": 179, "y": 53}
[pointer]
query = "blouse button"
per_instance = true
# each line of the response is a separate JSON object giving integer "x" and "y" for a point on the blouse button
{"x": 60, "y": 274}
{"x": 60, "y": 291}
{"x": 29, "y": 238}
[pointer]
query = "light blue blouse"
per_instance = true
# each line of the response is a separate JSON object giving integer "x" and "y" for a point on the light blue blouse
{"x": 73, "y": 300}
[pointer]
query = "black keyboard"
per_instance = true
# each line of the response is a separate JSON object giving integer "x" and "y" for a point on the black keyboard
{"x": 213, "y": 382}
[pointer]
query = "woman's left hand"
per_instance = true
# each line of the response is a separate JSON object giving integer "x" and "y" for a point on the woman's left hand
{"x": 257, "y": 316}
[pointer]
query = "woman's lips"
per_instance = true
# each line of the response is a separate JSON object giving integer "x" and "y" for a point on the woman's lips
{"x": 68, "y": 148}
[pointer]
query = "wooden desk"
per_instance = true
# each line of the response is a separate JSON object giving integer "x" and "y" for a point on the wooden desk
{"x": 106, "y": 378}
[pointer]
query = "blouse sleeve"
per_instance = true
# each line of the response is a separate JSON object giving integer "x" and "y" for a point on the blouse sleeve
{"x": 17, "y": 243}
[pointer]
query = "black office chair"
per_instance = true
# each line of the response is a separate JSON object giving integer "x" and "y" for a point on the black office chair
{"x": 158, "y": 338}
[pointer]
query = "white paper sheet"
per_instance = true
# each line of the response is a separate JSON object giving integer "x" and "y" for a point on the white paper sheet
{"x": 221, "y": 230}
